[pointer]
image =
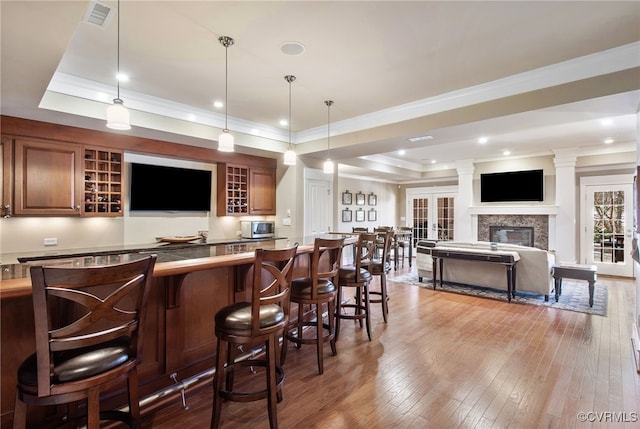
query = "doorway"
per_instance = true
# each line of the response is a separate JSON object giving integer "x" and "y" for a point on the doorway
{"x": 318, "y": 202}
{"x": 607, "y": 223}
{"x": 431, "y": 213}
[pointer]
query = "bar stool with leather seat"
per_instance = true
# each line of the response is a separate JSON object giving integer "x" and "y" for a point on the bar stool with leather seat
{"x": 263, "y": 319}
{"x": 88, "y": 327}
{"x": 381, "y": 266}
{"x": 317, "y": 290}
{"x": 357, "y": 277}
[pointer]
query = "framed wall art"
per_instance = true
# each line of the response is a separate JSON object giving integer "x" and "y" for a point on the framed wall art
{"x": 372, "y": 215}
{"x": 359, "y": 199}
{"x": 360, "y": 215}
{"x": 346, "y": 198}
{"x": 346, "y": 215}
{"x": 373, "y": 199}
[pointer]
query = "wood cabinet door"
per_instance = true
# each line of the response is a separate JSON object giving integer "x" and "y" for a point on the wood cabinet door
{"x": 6, "y": 187}
{"x": 47, "y": 178}
{"x": 262, "y": 191}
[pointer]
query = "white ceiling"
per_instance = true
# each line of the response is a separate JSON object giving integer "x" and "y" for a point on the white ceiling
{"x": 531, "y": 76}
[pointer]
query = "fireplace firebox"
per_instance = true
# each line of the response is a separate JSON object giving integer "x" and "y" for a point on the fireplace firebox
{"x": 521, "y": 235}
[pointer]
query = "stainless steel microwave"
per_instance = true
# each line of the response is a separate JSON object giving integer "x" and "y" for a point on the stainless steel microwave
{"x": 257, "y": 229}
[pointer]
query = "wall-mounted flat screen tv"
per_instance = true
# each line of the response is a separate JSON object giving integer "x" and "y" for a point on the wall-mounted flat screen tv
{"x": 161, "y": 188}
{"x": 512, "y": 186}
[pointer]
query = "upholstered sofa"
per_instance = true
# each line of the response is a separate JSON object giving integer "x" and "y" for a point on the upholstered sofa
{"x": 533, "y": 270}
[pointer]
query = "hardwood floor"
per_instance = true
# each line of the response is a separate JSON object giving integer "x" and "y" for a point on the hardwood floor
{"x": 451, "y": 361}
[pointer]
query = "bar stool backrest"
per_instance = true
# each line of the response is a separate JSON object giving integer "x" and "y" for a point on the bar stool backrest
{"x": 81, "y": 308}
{"x": 325, "y": 261}
{"x": 272, "y": 272}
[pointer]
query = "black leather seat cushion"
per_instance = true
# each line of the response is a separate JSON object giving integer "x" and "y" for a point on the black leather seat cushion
{"x": 302, "y": 287}
{"x": 238, "y": 316}
{"x": 348, "y": 274}
{"x": 79, "y": 364}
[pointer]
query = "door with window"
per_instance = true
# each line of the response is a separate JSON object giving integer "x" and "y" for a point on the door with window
{"x": 431, "y": 214}
{"x": 608, "y": 224}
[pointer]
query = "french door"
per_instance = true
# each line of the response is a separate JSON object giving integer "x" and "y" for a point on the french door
{"x": 431, "y": 214}
{"x": 608, "y": 224}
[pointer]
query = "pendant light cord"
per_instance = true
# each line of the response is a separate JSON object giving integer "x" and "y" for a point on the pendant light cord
{"x": 328, "y": 103}
{"x": 118, "y": 54}
{"x": 226, "y": 85}
{"x": 289, "y": 80}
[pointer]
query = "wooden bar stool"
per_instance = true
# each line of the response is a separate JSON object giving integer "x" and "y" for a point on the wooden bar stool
{"x": 88, "y": 327}
{"x": 403, "y": 238}
{"x": 263, "y": 319}
{"x": 317, "y": 290}
{"x": 381, "y": 266}
{"x": 357, "y": 277}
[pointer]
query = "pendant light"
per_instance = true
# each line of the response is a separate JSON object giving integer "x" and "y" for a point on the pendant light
{"x": 117, "y": 114}
{"x": 327, "y": 167}
{"x": 290, "y": 154}
{"x": 225, "y": 141}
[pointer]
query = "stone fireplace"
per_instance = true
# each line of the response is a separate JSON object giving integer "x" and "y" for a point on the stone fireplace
{"x": 516, "y": 229}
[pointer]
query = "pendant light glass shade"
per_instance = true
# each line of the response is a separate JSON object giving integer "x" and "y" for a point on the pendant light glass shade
{"x": 290, "y": 157}
{"x": 117, "y": 114}
{"x": 290, "y": 154}
{"x": 328, "y": 167}
{"x": 225, "y": 140}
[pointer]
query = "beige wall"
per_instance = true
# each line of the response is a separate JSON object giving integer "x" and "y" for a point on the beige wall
{"x": 386, "y": 206}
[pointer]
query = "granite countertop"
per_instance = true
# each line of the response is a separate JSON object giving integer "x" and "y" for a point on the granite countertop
{"x": 16, "y": 266}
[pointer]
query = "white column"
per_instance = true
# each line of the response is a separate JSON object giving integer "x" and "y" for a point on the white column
{"x": 565, "y": 226}
{"x": 464, "y": 228}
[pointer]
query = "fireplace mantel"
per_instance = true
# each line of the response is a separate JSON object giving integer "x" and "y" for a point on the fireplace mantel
{"x": 513, "y": 210}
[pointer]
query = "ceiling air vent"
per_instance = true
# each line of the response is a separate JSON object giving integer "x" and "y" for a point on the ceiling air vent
{"x": 98, "y": 14}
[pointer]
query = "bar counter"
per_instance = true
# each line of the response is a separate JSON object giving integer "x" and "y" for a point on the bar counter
{"x": 191, "y": 283}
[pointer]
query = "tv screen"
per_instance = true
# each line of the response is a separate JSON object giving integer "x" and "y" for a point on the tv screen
{"x": 512, "y": 186}
{"x": 160, "y": 188}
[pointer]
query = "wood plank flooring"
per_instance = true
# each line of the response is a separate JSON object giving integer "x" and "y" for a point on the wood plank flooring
{"x": 451, "y": 361}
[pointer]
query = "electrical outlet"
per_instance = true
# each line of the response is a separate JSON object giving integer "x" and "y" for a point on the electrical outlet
{"x": 50, "y": 241}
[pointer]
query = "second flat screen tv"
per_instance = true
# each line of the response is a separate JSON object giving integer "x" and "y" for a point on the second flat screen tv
{"x": 512, "y": 186}
{"x": 160, "y": 188}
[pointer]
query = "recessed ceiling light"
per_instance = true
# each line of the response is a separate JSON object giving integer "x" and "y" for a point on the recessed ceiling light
{"x": 608, "y": 140}
{"x": 506, "y": 153}
{"x": 420, "y": 138}
{"x": 218, "y": 104}
{"x": 606, "y": 122}
{"x": 402, "y": 152}
{"x": 122, "y": 77}
{"x": 433, "y": 161}
{"x": 483, "y": 140}
{"x": 292, "y": 48}
{"x": 191, "y": 117}
{"x": 283, "y": 122}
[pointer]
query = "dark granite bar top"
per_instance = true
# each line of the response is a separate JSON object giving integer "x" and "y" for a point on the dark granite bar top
{"x": 175, "y": 254}
{"x": 18, "y": 264}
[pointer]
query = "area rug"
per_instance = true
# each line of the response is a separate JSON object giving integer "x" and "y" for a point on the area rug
{"x": 575, "y": 294}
